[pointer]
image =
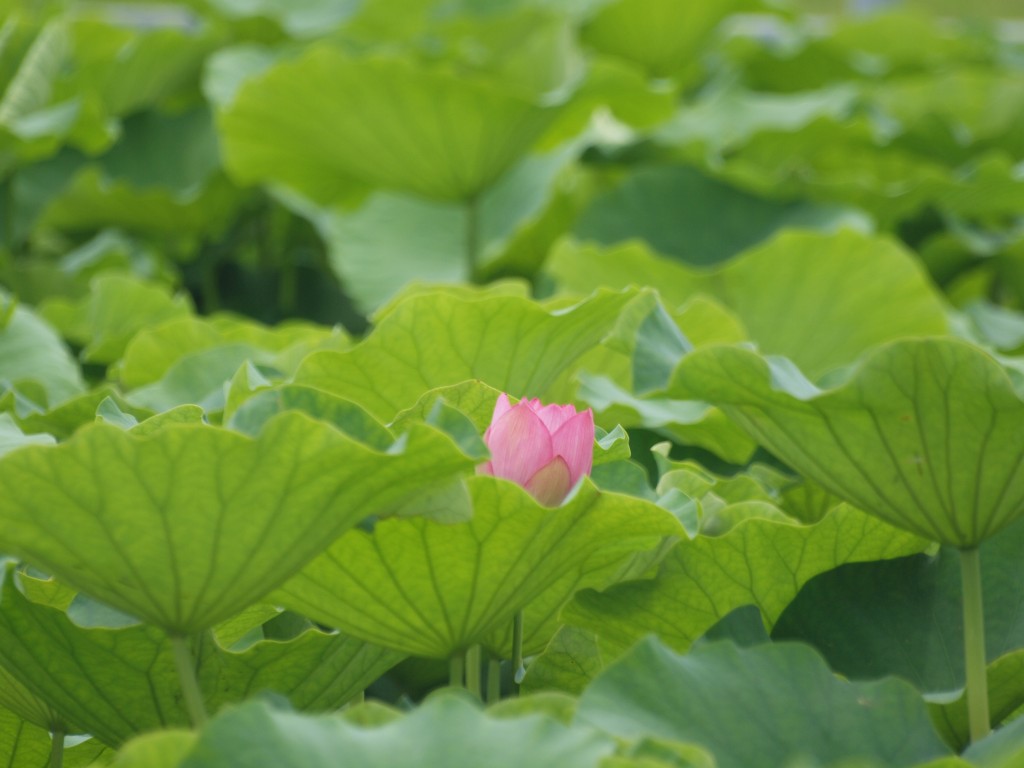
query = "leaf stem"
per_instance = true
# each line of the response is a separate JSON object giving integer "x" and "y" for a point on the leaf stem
{"x": 7, "y": 206}
{"x": 187, "y": 677}
{"x": 472, "y": 236}
{"x": 473, "y": 671}
{"x": 518, "y": 667}
{"x": 457, "y": 671}
{"x": 493, "y": 680}
{"x": 974, "y": 644}
{"x": 57, "y": 747}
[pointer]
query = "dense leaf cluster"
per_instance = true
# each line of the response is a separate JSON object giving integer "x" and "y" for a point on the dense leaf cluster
{"x": 266, "y": 267}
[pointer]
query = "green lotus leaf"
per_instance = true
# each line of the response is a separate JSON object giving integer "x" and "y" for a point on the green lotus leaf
{"x": 759, "y": 562}
{"x": 34, "y": 354}
{"x": 198, "y": 378}
{"x": 117, "y": 307}
{"x": 697, "y": 220}
{"x": 786, "y": 292}
{"x": 136, "y": 187}
{"x": 1005, "y": 680}
{"x": 447, "y": 730}
{"x": 909, "y": 622}
{"x": 152, "y": 353}
{"x": 116, "y": 683}
{"x": 393, "y": 238}
{"x": 12, "y": 437}
{"x": 570, "y": 661}
{"x": 162, "y": 749}
{"x": 254, "y": 413}
{"x": 189, "y": 525}
{"x": 434, "y": 590}
{"x": 759, "y": 706}
{"x": 307, "y": 19}
{"x": 542, "y": 619}
{"x": 925, "y": 434}
{"x": 22, "y": 743}
{"x": 665, "y": 37}
{"x": 509, "y": 343}
{"x": 466, "y": 131}
{"x": 1002, "y": 749}
{"x": 62, "y": 420}
{"x": 25, "y": 704}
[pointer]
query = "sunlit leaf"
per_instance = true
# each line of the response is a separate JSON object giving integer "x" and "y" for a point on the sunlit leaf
{"x": 925, "y": 434}
{"x": 189, "y": 525}
{"x": 433, "y": 590}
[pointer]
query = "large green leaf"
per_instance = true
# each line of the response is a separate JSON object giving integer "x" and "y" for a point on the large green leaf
{"x": 759, "y": 562}
{"x": 394, "y": 238}
{"x": 925, "y": 434}
{"x": 434, "y": 590}
{"x": 570, "y": 661}
{"x": 191, "y": 524}
{"x": 662, "y": 35}
{"x": 767, "y": 705}
{"x": 387, "y": 122}
{"x": 904, "y": 617}
{"x": 681, "y": 213}
{"x": 791, "y": 294}
{"x": 117, "y": 683}
{"x": 25, "y": 744}
{"x": 20, "y": 700}
{"x": 447, "y": 730}
{"x": 33, "y": 354}
{"x": 162, "y": 178}
{"x": 433, "y": 340}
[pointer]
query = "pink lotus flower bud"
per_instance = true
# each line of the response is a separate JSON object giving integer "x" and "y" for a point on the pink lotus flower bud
{"x": 544, "y": 448}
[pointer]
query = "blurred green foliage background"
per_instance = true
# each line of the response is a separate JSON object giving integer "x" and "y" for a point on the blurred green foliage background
{"x": 308, "y": 159}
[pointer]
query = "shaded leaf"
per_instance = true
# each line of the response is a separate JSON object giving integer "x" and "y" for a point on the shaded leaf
{"x": 447, "y": 730}
{"x": 759, "y": 562}
{"x": 774, "y": 695}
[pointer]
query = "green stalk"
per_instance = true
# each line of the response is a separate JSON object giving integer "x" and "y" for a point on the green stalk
{"x": 457, "y": 671}
{"x": 493, "y": 680}
{"x": 210, "y": 292}
{"x": 518, "y": 667}
{"x": 187, "y": 678}
{"x": 57, "y": 747}
{"x": 7, "y": 206}
{"x": 473, "y": 671}
{"x": 472, "y": 236}
{"x": 974, "y": 645}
